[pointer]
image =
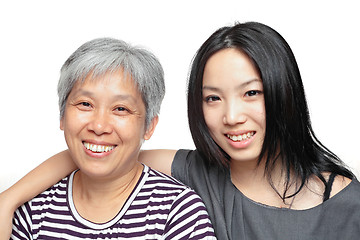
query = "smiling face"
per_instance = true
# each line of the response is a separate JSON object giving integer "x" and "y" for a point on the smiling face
{"x": 104, "y": 125}
{"x": 233, "y": 104}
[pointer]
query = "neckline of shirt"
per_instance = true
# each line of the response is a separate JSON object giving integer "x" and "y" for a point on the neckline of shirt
{"x": 100, "y": 226}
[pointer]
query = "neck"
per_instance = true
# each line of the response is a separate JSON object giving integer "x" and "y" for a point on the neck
{"x": 251, "y": 179}
{"x": 247, "y": 173}
{"x": 99, "y": 200}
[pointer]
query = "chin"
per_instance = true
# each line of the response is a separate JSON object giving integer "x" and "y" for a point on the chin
{"x": 95, "y": 172}
{"x": 242, "y": 157}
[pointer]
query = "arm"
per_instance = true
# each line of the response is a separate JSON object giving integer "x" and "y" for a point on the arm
{"x": 35, "y": 182}
{"x": 160, "y": 159}
{"x": 6, "y": 215}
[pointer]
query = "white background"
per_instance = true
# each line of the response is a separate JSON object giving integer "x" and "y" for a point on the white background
{"x": 38, "y": 36}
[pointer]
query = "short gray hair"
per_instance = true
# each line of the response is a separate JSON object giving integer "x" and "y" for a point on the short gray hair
{"x": 103, "y": 55}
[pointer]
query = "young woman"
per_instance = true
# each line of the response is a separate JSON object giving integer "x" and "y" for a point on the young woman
{"x": 258, "y": 166}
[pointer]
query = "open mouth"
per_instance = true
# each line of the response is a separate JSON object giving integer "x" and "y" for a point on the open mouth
{"x": 98, "y": 148}
{"x": 241, "y": 137}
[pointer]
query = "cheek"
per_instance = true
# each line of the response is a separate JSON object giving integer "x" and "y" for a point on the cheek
{"x": 257, "y": 112}
{"x": 260, "y": 119}
{"x": 211, "y": 119}
{"x": 262, "y": 116}
{"x": 130, "y": 129}
{"x": 73, "y": 120}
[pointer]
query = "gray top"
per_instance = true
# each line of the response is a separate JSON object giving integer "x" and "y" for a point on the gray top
{"x": 235, "y": 216}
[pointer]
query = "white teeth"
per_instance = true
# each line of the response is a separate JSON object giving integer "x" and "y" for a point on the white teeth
{"x": 98, "y": 148}
{"x": 238, "y": 138}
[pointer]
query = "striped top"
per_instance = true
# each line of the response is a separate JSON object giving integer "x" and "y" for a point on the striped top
{"x": 159, "y": 207}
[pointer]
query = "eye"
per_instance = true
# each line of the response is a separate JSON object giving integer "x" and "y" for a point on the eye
{"x": 84, "y": 105}
{"x": 212, "y": 98}
{"x": 121, "y": 111}
{"x": 252, "y": 93}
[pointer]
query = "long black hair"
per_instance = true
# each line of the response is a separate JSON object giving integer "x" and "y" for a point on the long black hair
{"x": 289, "y": 136}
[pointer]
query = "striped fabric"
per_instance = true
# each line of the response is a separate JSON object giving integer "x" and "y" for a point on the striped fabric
{"x": 160, "y": 207}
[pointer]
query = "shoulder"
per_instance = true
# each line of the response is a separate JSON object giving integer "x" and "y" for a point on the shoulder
{"x": 188, "y": 164}
{"x": 159, "y": 159}
{"x": 340, "y": 183}
{"x": 58, "y": 190}
{"x": 186, "y": 154}
{"x": 171, "y": 189}
{"x": 54, "y": 198}
{"x": 344, "y": 200}
{"x": 188, "y": 215}
{"x": 186, "y": 161}
{"x": 187, "y": 211}
{"x": 159, "y": 180}
{"x": 345, "y": 192}
{"x": 350, "y": 186}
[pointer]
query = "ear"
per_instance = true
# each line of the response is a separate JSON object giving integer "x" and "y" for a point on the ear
{"x": 150, "y": 130}
{"x": 62, "y": 123}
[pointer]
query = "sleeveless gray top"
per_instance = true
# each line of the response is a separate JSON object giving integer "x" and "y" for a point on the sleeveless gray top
{"x": 235, "y": 216}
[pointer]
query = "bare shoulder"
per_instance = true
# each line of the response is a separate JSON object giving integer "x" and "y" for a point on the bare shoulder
{"x": 158, "y": 159}
{"x": 340, "y": 182}
{"x": 312, "y": 194}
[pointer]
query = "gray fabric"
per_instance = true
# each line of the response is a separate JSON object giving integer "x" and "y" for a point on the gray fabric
{"x": 234, "y": 216}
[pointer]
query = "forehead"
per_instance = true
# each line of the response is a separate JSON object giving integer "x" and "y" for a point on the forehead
{"x": 116, "y": 83}
{"x": 230, "y": 66}
{"x": 116, "y": 77}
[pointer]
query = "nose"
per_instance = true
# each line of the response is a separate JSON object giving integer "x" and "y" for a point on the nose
{"x": 234, "y": 113}
{"x": 100, "y": 123}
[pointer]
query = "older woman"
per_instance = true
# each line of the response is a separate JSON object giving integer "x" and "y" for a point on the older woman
{"x": 109, "y": 95}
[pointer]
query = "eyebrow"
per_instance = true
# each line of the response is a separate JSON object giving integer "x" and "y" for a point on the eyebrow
{"x": 82, "y": 92}
{"x": 244, "y": 84}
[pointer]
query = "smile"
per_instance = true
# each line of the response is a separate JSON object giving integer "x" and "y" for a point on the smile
{"x": 242, "y": 137}
{"x": 97, "y": 148}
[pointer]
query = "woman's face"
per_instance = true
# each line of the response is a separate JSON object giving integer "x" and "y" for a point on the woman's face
{"x": 104, "y": 125}
{"x": 233, "y": 104}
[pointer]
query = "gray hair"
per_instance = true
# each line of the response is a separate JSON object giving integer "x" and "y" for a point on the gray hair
{"x": 104, "y": 55}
